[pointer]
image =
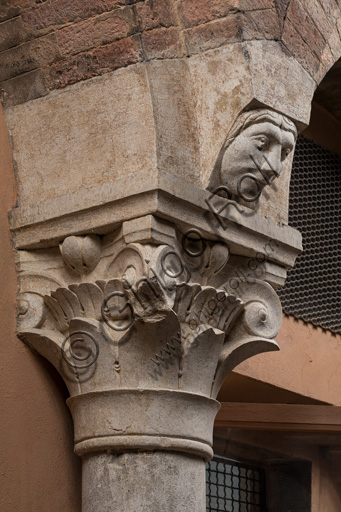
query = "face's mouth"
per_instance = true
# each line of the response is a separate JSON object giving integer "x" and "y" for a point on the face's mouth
{"x": 266, "y": 174}
{"x": 254, "y": 178}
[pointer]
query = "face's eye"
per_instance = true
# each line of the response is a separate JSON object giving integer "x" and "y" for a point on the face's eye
{"x": 262, "y": 142}
{"x": 285, "y": 152}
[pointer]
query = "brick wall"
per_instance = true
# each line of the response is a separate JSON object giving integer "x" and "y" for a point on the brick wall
{"x": 50, "y": 44}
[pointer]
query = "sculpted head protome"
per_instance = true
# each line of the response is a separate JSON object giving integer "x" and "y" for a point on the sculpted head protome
{"x": 253, "y": 153}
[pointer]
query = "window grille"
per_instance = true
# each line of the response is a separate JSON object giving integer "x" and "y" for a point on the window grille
{"x": 234, "y": 487}
{"x": 313, "y": 288}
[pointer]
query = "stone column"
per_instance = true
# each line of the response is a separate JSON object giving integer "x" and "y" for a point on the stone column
{"x": 144, "y": 324}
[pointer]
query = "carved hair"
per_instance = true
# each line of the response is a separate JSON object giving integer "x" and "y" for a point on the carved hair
{"x": 243, "y": 121}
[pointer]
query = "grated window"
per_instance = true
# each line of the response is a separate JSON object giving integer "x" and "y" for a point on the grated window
{"x": 234, "y": 487}
{"x": 313, "y": 288}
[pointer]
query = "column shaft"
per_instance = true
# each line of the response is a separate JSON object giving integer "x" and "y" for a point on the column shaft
{"x": 143, "y": 482}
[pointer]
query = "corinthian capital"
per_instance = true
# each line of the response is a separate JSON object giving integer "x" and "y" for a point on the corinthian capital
{"x": 149, "y": 314}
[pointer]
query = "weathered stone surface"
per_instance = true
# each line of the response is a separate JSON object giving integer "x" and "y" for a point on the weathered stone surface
{"x": 334, "y": 43}
{"x": 221, "y": 87}
{"x": 251, "y": 5}
{"x": 11, "y": 33}
{"x": 327, "y": 61}
{"x": 104, "y": 422}
{"x": 12, "y": 8}
{"x": 331, "y": 8}
{"x": 281, "y": 7}
{"x": 294, "y": 87}
{"x": 89, "y": 134}
{"x": 323, "y": 22}
{"x": 148, "y": 477}
{"x": 174, "y": 117}
{"x": 306, "y": 27}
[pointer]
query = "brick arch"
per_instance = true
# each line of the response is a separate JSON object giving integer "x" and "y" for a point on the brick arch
{"x": 311, "y": 32}
{"x": 330, "y": 55}
{"x": 50, "y": 45}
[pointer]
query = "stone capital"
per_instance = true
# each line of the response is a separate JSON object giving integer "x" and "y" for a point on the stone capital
{"x": 145, "y": 322}
{"x": 144, "y": 311}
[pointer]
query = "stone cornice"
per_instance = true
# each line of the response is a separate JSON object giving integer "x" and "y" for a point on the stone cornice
{"x": 102, "y": 209}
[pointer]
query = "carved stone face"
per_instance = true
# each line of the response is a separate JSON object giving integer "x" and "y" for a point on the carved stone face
{"x": 254, "y": 157}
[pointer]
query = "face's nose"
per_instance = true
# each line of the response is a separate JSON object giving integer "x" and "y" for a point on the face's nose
{"x": 272, "y": 162}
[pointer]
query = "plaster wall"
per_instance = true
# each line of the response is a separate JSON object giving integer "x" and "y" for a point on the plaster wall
{"x": 38, "y": 468}
{"x": 308, "y": 362}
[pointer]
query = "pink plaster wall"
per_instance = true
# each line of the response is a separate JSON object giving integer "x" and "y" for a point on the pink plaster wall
{"x": 38, "y": 469}
{"x": 308, "y": 363}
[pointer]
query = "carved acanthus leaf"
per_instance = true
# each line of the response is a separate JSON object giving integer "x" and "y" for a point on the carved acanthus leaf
{"x": 254, "y": 333}
{"x": 152, "y": 315}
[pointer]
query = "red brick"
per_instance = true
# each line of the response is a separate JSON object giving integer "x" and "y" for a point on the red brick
{"x": 155, "y": 14}
{"x": 326, "y": 62}
{"x": 94, "y": 63}
{"x": 28, "y": 56}
{"x": 261, "y": 25}
{"x": 196, "y": 12}
{"x": 253, "y": 5}
{"x": 162, "y": 43}
{"x": 331, "y": 8}
{"x": 298, "y": 47}
{"x": 60, "y": 12}
{"x": 334, "y": 42}
{"x": 212, "y": 35}
{"x": 324, "y": 25}
{"x": 22, "y": 88}
{"x": 281, "y": 6}
{"x": 95, "y": 32}
{"x": 11, "y": 8}
{"x": 305, "y": 27}
{"x": 11, "y": 33}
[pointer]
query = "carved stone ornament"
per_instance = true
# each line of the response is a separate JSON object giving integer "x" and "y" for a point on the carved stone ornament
{"x": 145, "y": 317}
{"x": 145, "y": 326}
{"x": 253, "y": 154}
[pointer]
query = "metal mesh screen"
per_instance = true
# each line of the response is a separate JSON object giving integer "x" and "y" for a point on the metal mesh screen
{"x": 234, "y": 487}
{"x": 313, "y": 288}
